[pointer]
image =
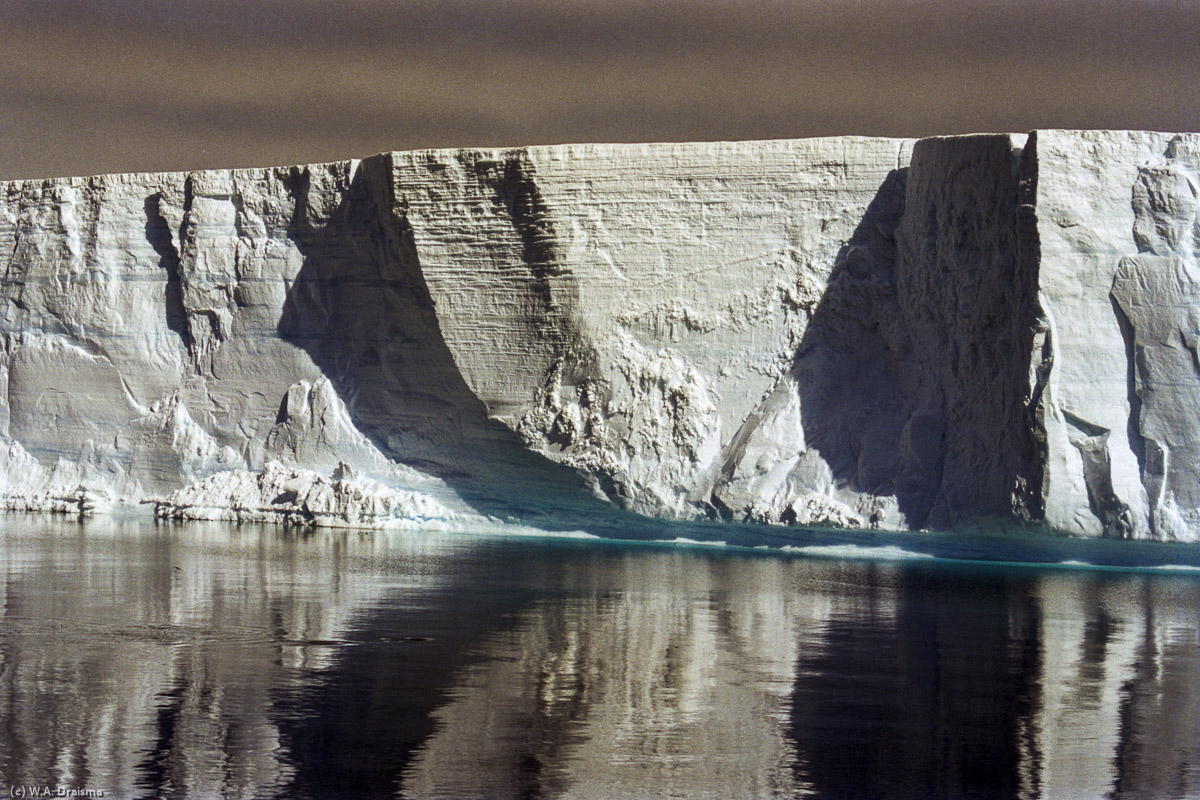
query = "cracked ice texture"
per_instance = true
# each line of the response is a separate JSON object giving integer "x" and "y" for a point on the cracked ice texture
{"x": 1117, "y": 211}
{"x": 856, "y": 332}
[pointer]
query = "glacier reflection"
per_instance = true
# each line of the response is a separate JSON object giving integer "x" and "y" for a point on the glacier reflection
{"x": 250, "y": 662}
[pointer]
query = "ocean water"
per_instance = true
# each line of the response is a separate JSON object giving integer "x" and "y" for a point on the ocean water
{"x": 210, "y": 660}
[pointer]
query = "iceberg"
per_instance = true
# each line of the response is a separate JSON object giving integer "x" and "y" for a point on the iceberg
{"x": 951, "y": 332}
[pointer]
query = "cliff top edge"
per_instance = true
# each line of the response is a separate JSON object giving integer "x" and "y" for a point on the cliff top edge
{"x": 545, "y": 151}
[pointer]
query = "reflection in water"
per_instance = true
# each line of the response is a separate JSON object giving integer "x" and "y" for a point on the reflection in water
{"x": 148, "y": 660}
{"x": 673, "y": 668}
{"x": 220, "y": 661}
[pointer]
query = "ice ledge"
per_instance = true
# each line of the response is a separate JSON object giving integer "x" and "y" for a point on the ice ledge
{"x": 301, "y": 497}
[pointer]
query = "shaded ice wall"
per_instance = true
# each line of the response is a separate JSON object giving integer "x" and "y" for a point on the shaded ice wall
{"x": 857, "y": 332}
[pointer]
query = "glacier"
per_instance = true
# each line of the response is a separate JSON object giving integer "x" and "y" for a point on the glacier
{"x": 951, "y": 333}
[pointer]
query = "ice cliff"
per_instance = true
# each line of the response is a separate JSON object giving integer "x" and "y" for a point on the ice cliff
{"x": 858, "y": 332}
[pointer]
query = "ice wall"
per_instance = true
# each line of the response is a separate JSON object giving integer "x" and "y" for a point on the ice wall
{"x": 849, "y": 331}
{"x": 1120, "y": 298}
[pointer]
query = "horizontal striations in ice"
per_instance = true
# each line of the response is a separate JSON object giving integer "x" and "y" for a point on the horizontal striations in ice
{"x": 854, "y": 332}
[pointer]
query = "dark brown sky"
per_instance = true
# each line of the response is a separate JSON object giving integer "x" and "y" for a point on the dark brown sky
{"x": 119, "y": 85}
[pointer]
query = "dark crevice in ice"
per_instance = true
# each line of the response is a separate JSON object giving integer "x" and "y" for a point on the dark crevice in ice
{"x": 158, "y": 234}
{"x": 1091, "y": 441}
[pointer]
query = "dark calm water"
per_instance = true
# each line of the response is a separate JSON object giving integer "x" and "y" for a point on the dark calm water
{"x": 217, "y": 661}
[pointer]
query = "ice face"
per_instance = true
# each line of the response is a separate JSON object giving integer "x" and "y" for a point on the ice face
{"x": 848, "y": 331}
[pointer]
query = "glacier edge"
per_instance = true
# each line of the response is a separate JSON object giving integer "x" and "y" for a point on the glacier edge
{"x": 852, "y": 332}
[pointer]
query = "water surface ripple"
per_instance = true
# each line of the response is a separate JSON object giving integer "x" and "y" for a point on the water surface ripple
{"x": 205, "y": 661}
